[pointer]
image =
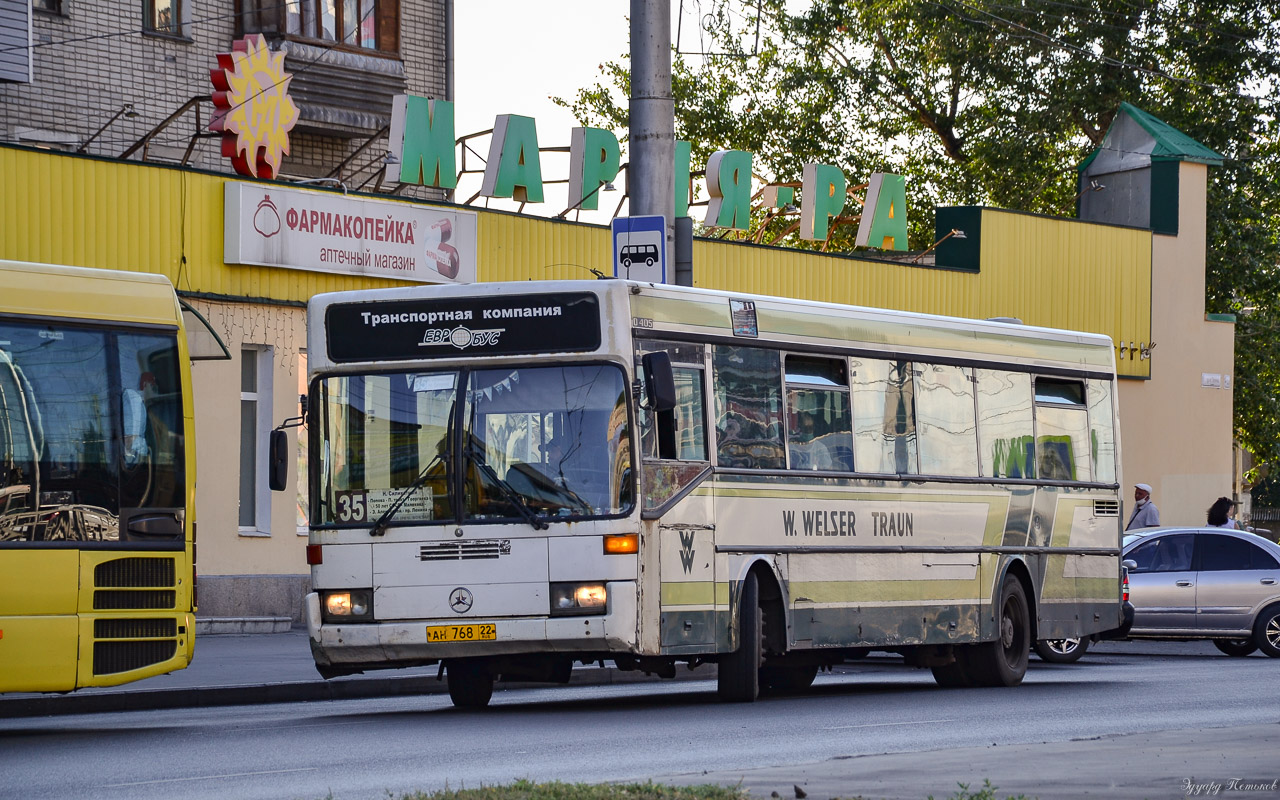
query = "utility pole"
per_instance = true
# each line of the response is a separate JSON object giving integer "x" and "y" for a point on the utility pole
{"x": 651, "y": 174}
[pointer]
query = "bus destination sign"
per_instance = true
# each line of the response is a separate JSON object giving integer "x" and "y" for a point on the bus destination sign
{"x": 403, "y": 330}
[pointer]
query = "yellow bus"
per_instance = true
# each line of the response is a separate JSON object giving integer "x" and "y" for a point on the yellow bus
{"x": 97, "y": 479}
{"x": 508, "y": 478}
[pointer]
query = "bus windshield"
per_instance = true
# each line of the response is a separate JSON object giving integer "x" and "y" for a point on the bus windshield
{"x": 501, "y": 444}
{"x": 90, "y": 431}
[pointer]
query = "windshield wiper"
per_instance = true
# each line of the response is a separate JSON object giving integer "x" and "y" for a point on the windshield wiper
{"x": 515, "y": 497}
{"x": 380, "y": 527}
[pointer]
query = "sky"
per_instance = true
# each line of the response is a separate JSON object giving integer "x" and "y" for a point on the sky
{"x": 512, "y": 57}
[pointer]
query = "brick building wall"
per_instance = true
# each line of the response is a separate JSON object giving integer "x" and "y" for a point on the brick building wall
{"x": 93, "y": 58}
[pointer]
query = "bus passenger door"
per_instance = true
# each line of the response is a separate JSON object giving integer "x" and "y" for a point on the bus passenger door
{"x": 675, "y": 463}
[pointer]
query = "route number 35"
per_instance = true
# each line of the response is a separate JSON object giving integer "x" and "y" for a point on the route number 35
{"x": 352, "y": 506}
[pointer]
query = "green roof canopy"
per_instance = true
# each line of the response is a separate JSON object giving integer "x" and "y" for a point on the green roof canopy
{"x": 1171, "y": 144}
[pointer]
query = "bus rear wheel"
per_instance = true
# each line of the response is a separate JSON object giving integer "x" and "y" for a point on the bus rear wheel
{"x": 1004, "y": 661}
{"x": 470, "y": 684}
{"x": 738, "y": 674}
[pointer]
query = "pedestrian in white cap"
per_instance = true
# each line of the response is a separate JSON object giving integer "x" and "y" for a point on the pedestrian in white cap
{"x": 1144, "y": 514}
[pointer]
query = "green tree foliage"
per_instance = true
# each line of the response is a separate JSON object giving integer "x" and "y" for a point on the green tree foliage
{"x": 995, "y": 102}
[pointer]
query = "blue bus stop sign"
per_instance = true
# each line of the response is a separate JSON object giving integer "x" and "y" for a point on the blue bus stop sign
{"x": 640, "y": 248}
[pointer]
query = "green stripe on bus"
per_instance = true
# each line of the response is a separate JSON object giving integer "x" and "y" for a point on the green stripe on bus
{"x": 873, "y": 592}
{"x": 691, "y": 593}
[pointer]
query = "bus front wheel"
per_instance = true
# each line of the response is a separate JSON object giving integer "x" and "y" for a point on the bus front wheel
{"x": 470, "y": 684}
{"x": 952, "y": 675}
{"x": 1004, "y": 661}
{"x": 787, "y": 678}
{"x": 738, "y": 675}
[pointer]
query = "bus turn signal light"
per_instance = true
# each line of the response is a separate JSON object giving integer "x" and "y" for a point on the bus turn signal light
{"x": 622, "y": 544}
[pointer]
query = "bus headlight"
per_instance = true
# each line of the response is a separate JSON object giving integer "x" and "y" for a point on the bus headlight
{"x": 350, "y": 606}
{"x": 578, "y": 599}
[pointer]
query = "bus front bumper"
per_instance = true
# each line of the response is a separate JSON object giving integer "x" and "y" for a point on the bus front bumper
{"x": 401, "y": 643}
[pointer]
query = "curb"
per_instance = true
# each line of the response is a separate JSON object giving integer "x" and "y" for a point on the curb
{"x": 299, "y": 691}
{"x": 213, "y": 626}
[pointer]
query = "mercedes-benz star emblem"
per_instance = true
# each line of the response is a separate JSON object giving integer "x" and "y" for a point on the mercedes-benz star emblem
{"x": 460, "y": 600}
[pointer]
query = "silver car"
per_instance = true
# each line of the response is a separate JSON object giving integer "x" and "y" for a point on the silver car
{"x": 1206, "y": 583}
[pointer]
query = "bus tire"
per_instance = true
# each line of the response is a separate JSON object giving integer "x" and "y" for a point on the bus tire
{"x": 952, "y": 675}
{"x": 1003, "y": 662}
{"x": 788, "y": 679}
{"x": 470, "y": 684}
{"x": 738, "y": 674}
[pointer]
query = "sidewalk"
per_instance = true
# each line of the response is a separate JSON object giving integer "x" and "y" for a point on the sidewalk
{"x": 267, "y": 668}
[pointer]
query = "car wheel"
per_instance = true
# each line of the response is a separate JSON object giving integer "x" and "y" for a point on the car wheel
{"x": 1266, "y": 631}
{"x": 1235, "y": 647}
{"x": 1061, "y": 651}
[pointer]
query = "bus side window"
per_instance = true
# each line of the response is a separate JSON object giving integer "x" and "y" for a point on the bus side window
{"x": 819, "y": 433}
{"x": 749, "y": 426}
{"x": 689, "y": 414}
{"x": 946, "y": 420}
{"x": 1062, "y": 430}
{"x": 1102, "y": 436}
{"x": 884, "y": 413}
{"x": 1006, "y": 446}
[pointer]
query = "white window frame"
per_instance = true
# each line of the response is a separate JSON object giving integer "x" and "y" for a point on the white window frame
{"x": 301, "y": 432}
{"x": 261, "y": 440}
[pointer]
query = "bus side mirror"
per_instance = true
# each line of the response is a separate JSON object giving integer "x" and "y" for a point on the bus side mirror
{"x": 659, "y": 383}
{"x": 278, "y": 460}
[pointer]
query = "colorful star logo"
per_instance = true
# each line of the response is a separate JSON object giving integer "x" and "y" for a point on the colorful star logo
{"x": 254, "y": 110}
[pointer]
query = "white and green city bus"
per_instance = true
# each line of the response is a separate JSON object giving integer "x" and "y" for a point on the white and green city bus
{"x": 509, "y": 478}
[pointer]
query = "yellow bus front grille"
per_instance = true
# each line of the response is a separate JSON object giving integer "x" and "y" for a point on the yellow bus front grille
{"x": 117, "y": 599}
{"x": 111, "y": 657}
{"x": 134, "y": 572}
{"x": 135, "y": 628}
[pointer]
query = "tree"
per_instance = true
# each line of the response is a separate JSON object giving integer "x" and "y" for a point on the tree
{"x": 995, "y": 102}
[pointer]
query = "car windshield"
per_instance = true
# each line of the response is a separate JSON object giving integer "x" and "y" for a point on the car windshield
{"x": 1130, "y": 538}
{"x": 510, "y": 444}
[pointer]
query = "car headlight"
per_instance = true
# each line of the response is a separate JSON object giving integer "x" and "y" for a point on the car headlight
{"x": 350, "y": 605}
{"x": 578, "y": 599}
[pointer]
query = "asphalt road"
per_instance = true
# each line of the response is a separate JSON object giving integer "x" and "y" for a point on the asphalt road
{"x": 1131, "y": 720}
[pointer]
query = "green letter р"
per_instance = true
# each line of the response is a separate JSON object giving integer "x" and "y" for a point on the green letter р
{"x": 594, "y": 157}
{"x": 824, "y": 194}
